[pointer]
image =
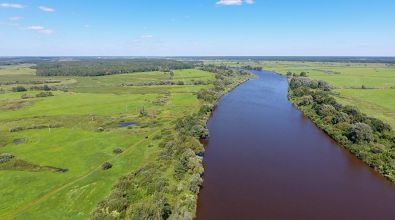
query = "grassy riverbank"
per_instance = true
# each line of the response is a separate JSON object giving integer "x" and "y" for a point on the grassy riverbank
{"x": 369, "y": 138}
{"x": 65, "y": 150}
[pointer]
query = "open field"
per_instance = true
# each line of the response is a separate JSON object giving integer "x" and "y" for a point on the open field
{"x": 60, "y": 142}
{"x": 377, "y": 97}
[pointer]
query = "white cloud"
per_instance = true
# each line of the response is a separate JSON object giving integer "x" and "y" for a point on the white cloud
{"x": 40, "y": 29}
{"x": 229, "y": 2}
{"x": 147, "y": 36}
{"x": 46, "y": 9}
{"x": 11, "y": 5}
{"x": 234, "y": 2}
{"x": 16, "y": 18}
{"x": 35, "y": 27}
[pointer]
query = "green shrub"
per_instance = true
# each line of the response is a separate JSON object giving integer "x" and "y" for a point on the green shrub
{"x": 195, "y": 183}
{"x": 378, "y": 125}
{"x": 26, "y": 96}
{"x": 117, "y": 151}
{"x": 340, "y": 117}
{"x": 326, "y": 110}
{"x": 359, "y": 133}
{"x": 19, "y": 89}
{"x": 106, "y": 166}
{"x": 5, "y": 157}
{"x": 306, "y": 100}
{"x": 44, "y": 94}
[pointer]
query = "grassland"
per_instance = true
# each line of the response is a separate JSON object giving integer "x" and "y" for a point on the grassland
{"x": 76, "y": 130}
{"x": 369, "y": 86}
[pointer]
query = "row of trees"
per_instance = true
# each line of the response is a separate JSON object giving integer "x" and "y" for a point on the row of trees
{"x": 369, "y": 138}
{"x": 167, "y": 82}
{"x": 34, "y": 82}
{"x": 107, "y": 67}
{"x": 168, "y": 187}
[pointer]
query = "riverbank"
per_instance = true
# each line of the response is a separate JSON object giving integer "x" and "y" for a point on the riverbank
{"x": 368, "y": 138}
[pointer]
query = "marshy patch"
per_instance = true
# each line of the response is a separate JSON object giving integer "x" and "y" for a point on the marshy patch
{"x": 14, "y": 105}
{"x": 126, "y": 124}
{"x": 18, "y": 141}
{"x": 10, "y": 162}
{"x": 32, "y": 127}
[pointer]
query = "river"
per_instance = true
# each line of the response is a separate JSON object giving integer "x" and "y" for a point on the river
{"x": 265, "y": 160}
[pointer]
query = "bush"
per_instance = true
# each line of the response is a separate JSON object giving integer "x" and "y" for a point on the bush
{"x": 324, "y": 85}
{"x": 354, "y": 113}
{"x": 106, "y": 166}
{"x": 207, "y": 95}
{"x": 46, "y": 88}
{"x": 339, "y": 117}
{"x": 205, "y": 109}
{"x": 359, "y": 133}
{"x": 378, "y": 125}
{"x": 306, "y": 100}
{"x": 26, "y": 96}
{"x": 19, "y": 89}
{"x": 195, "y": 183}
{"x": 44, "y": 94}
{"x": 301, "y": 91}
{"x": 326, "y": 110}
{"x": 117, "y": 151}
{"x": 5, "y": 157}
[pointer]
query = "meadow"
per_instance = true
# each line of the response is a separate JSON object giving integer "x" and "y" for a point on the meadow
{"x": 60, "y": 142}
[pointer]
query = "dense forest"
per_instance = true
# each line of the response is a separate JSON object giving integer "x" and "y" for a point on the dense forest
{"x": 370, "y": 139}
{"x": 107, "y": 67}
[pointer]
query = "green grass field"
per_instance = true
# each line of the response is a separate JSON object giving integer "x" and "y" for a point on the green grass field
{"x": 377, "y": 100}
{"x": 87, "y": 116}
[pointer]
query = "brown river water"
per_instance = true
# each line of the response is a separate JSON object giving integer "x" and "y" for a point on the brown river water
{"x": 265, "y": 160}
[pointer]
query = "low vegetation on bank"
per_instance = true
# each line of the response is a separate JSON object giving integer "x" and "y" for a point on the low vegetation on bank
{"x": 369, "y": 138}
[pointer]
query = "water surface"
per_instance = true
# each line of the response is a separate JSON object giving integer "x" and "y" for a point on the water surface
{"x": 264, "y": 160}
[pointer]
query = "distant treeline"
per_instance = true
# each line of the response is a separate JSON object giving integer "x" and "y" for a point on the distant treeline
{"x": 340, "y": 59}
{"x": 108, "y": 67}
{"x": 370, "y": 139}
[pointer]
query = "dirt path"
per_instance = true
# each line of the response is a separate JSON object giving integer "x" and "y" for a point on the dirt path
{"x": 22, "y": 209}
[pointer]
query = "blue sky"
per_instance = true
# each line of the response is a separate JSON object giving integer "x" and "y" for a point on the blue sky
{"x": 197, "y": 27}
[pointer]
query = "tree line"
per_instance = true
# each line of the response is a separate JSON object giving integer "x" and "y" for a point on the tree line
{"x": 107, "y": 67}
